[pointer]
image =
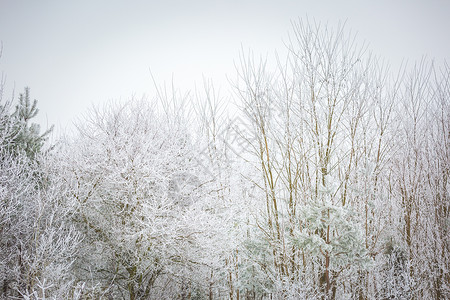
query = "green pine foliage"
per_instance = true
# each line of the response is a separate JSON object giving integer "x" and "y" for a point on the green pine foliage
{"x": 25, "y": 137}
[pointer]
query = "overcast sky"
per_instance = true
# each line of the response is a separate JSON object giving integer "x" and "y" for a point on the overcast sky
{"x": 75, "y": 53}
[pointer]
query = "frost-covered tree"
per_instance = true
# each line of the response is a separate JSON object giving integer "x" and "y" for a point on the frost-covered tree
{"x": 306, "y": 132}
{"x": 141, "y": 204}
{"x": 420, "y": 180}
{"x": 24, "y": 136}
{"x": 37, "y": 241}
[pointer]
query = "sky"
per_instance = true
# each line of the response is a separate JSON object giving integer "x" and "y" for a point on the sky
{"x": 75, "y": 54}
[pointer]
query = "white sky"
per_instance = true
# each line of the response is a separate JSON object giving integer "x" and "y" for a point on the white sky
{"x": 75, "y": 53}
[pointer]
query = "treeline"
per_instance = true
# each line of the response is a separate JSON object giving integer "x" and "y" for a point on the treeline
{"x": 329, "y": 180}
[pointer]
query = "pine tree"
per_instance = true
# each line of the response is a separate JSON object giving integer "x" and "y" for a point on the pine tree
{"x": 25, "y": 137}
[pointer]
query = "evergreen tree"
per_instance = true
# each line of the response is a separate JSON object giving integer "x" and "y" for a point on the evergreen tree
{"x": 25, "y": 137}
